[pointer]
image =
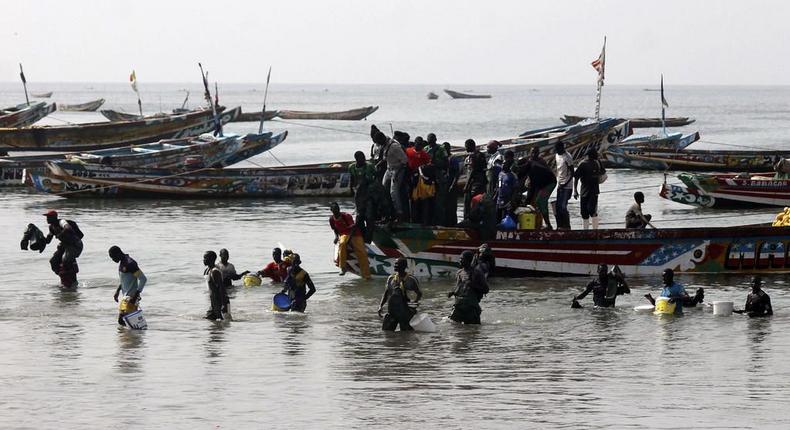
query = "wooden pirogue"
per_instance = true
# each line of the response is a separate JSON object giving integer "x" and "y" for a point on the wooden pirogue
{"x": 25, "y": 114}
{"x": 729, "y": 190}
{"x": 638, "y": 122}
{"x": 434, "y": 251}
{"x": 100, "y": 135}
{"x": 90, "y": 106}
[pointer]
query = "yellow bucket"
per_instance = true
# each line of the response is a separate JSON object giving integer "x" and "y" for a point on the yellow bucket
{"x": 664, "y": 307}
{"x": 250, "y": 280}
{"x": 126, "y": 306}
{"x": 527, "y": 221}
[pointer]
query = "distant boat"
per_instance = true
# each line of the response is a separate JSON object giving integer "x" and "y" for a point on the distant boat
{"x": 256, "y": 116}
{"x": 25, "y": 114}
{"x": 457, "y": 95}
{"x": 42, "y": 95}
{"x": 638, "y": 122}
{"x": 90, "y": 106}
{"x": 432, "y": 96}
{"x": 347, "y": 115}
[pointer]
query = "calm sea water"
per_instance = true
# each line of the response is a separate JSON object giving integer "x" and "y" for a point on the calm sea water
{"x": 533, "y": 363}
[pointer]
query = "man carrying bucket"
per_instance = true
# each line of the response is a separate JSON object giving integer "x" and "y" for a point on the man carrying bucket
{"x": 470, "y": 287}
{"x": 672, "y": 290}
{"x": 132, "y": 283}
{"x": 399, "y": 313}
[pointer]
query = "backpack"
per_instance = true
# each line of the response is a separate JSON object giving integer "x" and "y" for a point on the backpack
{"x": 76, "y": 228}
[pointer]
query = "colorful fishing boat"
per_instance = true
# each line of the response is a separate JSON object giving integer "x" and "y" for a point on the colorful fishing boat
{"x": 346, "y": 115}
{"x": 434, "y": 251}
{"x": 730, "y": 191}
{"x": 25, "y": 114}
{"x": 90, "y": 106}
{"x": 101, "y": 135}
{"x": 460, "y": 95}
{"x": 185, "y": 153}
{"x": 700, "y": 160}
{"x": 638, "y": 122}
{"x": 671, "y": 141}
{"x": 323, "y": 179}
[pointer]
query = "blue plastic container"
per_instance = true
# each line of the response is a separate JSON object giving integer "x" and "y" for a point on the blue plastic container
{"x": 281, "y": 302}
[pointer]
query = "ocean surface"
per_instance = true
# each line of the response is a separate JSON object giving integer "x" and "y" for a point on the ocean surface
{"x": 533, "y": 363}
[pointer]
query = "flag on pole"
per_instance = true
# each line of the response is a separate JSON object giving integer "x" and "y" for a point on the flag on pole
{"x": 133, "y": 81}
{"x": 663, "y": 100}
{"x": 599, "y": 64}
{"x": 22, "y": 74}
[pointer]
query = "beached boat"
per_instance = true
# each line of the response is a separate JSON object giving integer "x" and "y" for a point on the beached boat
{"x": 194, "y": 152}
{"x": 323, "y": 179}
{"x": 42, "y": 95}
{"x": 346, "y": 115}
{"x": 638, "y": 122}
{"x": 700, "y": 160}
{"x": 102, "y": 135}
{"x": 256, "y": 116}
{"x": 729, "y": 191}
{"x": 459, "y": 95}
{"x": 432, "y": 96}
{"x": 25, "y": 114}
{"x": 434, "y": 251}
{"x": 90, "y": 106}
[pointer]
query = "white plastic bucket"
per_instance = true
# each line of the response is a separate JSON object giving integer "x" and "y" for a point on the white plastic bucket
{"x": 136, "y": 320}
{"x": 422, "y": 322}
{"x": 644, "y": 309}
{"x": 722, "y": 308}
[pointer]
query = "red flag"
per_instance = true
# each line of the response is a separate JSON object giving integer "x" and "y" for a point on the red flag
{"x": 600, "y": 63}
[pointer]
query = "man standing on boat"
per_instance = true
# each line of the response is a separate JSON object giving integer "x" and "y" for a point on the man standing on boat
{"x": 564, "y": 163}
{"x": 346, "y": 232}
{"x": 493, "y": 166}
{"x": 399, "y": 313}
{"x": 395, "y": 159}
{"x": 634, "y": 218}
{"x": 453, "y": 174}
{"x": 605, "y": 289}
{"x": 541, "y": 183}
{"x": 440, "y": 163}
{"x": 470, "y": 287}
{"x": 64, "y": 260}
{"x": 363, "y": 184}
{"x": 475, "y": 165}
{"x": 590, "y": 173}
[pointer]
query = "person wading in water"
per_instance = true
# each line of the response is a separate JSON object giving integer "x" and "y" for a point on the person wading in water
{"x": 470, "y": 287}
{"x": 399, "y": 313}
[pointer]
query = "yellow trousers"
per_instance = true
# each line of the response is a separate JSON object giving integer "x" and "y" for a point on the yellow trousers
{"x": 359, "y": 251}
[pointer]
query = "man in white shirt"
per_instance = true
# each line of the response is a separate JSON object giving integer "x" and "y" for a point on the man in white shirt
{"x": 564, "y": 163}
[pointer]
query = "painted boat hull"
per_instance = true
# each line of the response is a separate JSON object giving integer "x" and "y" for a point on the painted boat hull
{"x": 459, "y": 95}
{"x": 24, "y": 115}
{"x": 313, "y": 180}
{"x": 738, "y": 191}
{"x": 90, "y": 106}
{"x": 692, "y": 160}
{"x": 638, "y": 122}
{"x": 434, "y": 251}
{"x": 102, "y": 135}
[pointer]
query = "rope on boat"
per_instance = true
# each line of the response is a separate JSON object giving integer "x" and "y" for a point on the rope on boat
{"x": 321, "y": 127}
{"x": 120, "y": 184}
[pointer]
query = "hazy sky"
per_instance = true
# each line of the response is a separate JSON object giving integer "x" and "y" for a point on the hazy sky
{"x": 422, "y": 41}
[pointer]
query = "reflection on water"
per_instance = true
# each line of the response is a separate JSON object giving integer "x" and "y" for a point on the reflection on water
{"x": 131, "y": 351}
{"x": 215, "y": 342}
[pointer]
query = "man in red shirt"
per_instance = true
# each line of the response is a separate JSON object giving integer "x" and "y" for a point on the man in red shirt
{"x": 277, "y": 269}
{"x": 346, "y": 231}
{"x": 417, "y": 155}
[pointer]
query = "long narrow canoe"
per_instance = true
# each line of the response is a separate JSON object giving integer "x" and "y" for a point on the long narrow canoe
{"x": 101, "y": 135}
{"x": 193, "y": 152}
{"x": 434, "y": 251}
{"x": 117, "y": 116}
{"x": 23, "y": 115}
{"x": 459, "y": 95}
{"x": 689, "y": 160}
{"x": 638, "y": 122}
{"x": 729, "y": 191}
{"x": 42, "y": 95}
{"x": 346, "y": 115}
{"x": 325, "y": 179}
{"x": 90, "y": 106}
{"x": 256, "y": 116}
{"x": 670, "y": 141}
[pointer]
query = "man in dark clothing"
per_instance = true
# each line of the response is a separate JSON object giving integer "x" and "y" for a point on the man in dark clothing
{"x": 297, "y": 284}
{"x": 453, "y": 174}
{"x": 758, "y": 303}
{"x": 399, "y": 313}
{"x": 367, "y": 192}
{"x": 541, "y": 184}
{"x": 475, "y": 165}
{"x": 394, "y": 158}
{"x": 634, "y": 218}
{"x": 470, "y": 287}
{"x": 506, "y": 189}
{"x": 605, "y": 289}
{"x": 64, "y": 260}
{"x": 589, "y": 173}
{"x": 440, "y": 163}
{"x": 220, "y": 303}
{"x": 485, "y": 260}
{"x": 494, "y": 161}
